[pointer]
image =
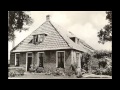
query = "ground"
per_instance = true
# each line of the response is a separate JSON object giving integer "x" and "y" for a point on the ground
{"x": 43, "y": 76}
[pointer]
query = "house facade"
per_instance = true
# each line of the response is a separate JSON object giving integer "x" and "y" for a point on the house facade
{"x": 49, "y": 45}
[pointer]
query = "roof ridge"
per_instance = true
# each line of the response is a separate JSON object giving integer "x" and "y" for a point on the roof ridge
{"x": 59, "y": 33}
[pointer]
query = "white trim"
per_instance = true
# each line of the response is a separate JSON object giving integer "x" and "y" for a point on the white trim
{"x": 15, "y": 58}
{"x": 38, "y": 58}
{"x": 27, "y": 59}
{"x": 71, "y": 56}
{"x": 57, "y": 58}
{"x": 78, "y": 61}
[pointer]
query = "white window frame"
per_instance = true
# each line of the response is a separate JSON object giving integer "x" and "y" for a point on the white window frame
{"x": 57, "y": 58}
{"x": 27, "y": 59}
{"x": 15, "y": 58}
{"x": 38, "y": 58}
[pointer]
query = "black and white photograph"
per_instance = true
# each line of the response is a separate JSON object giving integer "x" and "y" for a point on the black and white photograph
{"x": 59, "y": 44}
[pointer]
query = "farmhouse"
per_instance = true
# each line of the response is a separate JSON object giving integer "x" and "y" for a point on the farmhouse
{"x": 49, "y": 45}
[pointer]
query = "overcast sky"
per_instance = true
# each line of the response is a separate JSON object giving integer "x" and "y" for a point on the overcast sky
{"x": 84, "y": 24}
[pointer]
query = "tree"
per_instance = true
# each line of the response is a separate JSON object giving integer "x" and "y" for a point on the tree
{"x": 16, "y": 22}
{"x": 105, "y": 34}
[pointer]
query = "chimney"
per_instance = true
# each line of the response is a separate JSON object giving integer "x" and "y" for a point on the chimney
{"x": 48, "y": 18}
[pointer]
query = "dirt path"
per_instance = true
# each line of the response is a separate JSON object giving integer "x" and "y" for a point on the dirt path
{"x": 43, "y": 76}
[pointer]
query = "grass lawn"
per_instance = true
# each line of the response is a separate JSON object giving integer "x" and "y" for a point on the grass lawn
{"x": 43, "y": 76}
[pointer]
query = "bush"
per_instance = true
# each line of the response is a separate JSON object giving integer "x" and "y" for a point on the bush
{"x": 106, "y": 71}
{"x": 31, "y": 70}
{"x": 69, "y": 72}
{"x": 11, "y": 74}
{"x": 15, "y": 72}
{"x": 98, "y": 72}
{"x": 39, "y": 69}
{"x": 58, "y": 72}
{"x": 21, "y": 71}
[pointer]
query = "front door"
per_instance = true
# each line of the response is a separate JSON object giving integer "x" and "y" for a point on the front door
{"x": 29, "y": 58}
{"x": 29, "y": 62}
{"x": 60, "y": 59}
{"x": 41, "y": 56}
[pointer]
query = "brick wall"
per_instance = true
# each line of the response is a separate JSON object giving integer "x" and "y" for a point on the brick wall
{"x": 67, "y": 58}
{"x": 49, "y": 59}
{"x": 22, "y": 61}
{"x": 22, "y": 58}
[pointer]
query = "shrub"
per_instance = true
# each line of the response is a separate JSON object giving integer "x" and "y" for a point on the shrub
{"x": 107, "y": 71}
{"x": 48, "y": 72}
{"x": 15, "y": 72}
{"x": 21, "y": 71}
{"x": 31, "y": 70}
{"x": 69, "y": 72}
{"x": 97, "y": 72}
{"x": 56, "y": 72}
{"x": 11, "y": 74}
{"x": 39, "y": 69}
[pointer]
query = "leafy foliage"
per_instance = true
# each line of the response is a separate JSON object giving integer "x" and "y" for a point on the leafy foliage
{"x": 104, "y": 71}
{"x": 102, "y": 53}
{"x": 39, "y": 69}
{"x": 105, "y": 34}
{"x": 85, "y": 61}
{"x": 15, "y": 72}
{"x": 16, "y": 21}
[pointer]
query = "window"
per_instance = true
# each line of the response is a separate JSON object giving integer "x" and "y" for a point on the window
{"x": 38, "y": 38}
{"x": 35, "y": 39}
{"x": 60, "y": 57}
{"x": 41, "y": 38}
{"x": 73, "y": 39}
{"x": 17, "y": 59}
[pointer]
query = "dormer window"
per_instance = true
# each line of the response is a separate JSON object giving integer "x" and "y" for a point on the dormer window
{"x": 39, "y": 38}
{"x": 35, "y": 39}
{"x": 73, "y": 39}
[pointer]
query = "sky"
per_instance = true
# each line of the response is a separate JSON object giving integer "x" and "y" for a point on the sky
{"x": 83, "y": 24}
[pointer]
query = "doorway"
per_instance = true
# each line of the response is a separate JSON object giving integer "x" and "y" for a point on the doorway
{"x": 29, "y": 60}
